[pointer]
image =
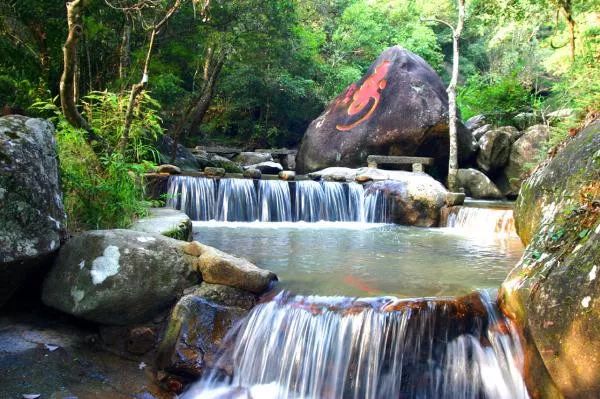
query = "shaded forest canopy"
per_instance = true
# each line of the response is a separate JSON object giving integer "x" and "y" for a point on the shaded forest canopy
{"x": 274, "y": 65}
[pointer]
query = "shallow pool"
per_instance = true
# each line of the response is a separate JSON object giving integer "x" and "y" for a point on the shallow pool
{"x": 359, "y": 259}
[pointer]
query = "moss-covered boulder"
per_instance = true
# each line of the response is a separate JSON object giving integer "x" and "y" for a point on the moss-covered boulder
{"x": 118, "y": 277}
{"x": 554, "y": 292}
{"x": 32, "y": 216}
{"x": 477, "y": 185}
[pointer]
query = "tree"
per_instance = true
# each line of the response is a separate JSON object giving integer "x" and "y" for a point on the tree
{"x": 451, "y": 90}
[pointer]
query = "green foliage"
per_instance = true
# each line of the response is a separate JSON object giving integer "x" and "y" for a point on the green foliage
{"x": 499, "y": 98}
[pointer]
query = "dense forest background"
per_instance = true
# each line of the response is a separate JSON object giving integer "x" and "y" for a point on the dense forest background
{"x": 255, "y": 73}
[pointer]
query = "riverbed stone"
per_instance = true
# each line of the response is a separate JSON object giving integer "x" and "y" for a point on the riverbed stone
{"x": 523, "y": 155}
{"x": 494, "y": 149}
{"x": 475, "y": 122}
{"x": 287, "y": 175}
{"x": 416, "y": 199}
{"x": 252, "y": 174}
{"x": 118, "y": 277}
{"x": 252, "y": 158}
{"x": 554, "y": 292}
{"x": 184, "y": 159}
{"x": 399, "y": 107}
{"x": 169, "y": 169}
{"x": 32, "y": 216}
{"x": 197, "y": 328}
{"x": 211, "y": 171}
{"x": 166, "y": 221}
{"x": 267, "y": 168}
{"x": 218, "y": 267}
{"x": 480, "y": 131}
{"x": 477, "y": 185}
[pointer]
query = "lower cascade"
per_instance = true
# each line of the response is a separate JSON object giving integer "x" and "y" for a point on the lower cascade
{"x": 336, "y": 347}
{"x": 482, "y": 220}
{"x": 245, "y": 200}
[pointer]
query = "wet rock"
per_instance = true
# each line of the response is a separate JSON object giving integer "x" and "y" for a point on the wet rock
{"x": 252, "y": 174}
{"x": 118, "y": 277}
{"x": 455, "y": 199}
{"x": 475, "y": 122}
{"x": 477, "y": 185}
{"x": 225, "y": 163}
{"x": 214, "y": 172}
{"x": 480, "y": 131}
{"x": 287, "y": 175}
{"x": 218, "y": 267}
{"x": 416, "y": 199}
{"x": 197, "y": 327}
{"x": 398, "y": 108}
{"x": 523, "y": 154}
{"x": 267, "y": 168}
{"x": 252, "y": 158}
{"x": 141, "y": 340}
{"x": 184, "y": 158}
{"x": 494, "y": 149}
{"x": 170, "y": 169}
{"x": 166, "y": 221}
{"x": 155, "y": 185}
{"x": 554, "y": 292}
{"x": 32, "y": 216}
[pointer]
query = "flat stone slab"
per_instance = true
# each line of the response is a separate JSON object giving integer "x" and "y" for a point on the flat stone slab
{"x": 398, "y": 160}
{"x": 166, "y": 221}
{"x": 277, "y": 151}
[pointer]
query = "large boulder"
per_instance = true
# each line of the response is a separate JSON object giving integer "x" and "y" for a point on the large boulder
{"x": 252, "y": 158}
{"x": 475, "y": 122}
{"x": 118, "y": 277}
{"x": 184, "y": 158}
{"x": 523, "y": 153}
{"x": 197, "y": 327}
{"x": 494, "y": 149}
{"x": 415, "y": 199}
{"x": 477, "y": 185}
{"x": 267, "y": 168}
{"x": 400, "y": 107}
{"x": 218, "y": 267}
{"x": 554, "y": 292}
{"x": 32, "y": 217}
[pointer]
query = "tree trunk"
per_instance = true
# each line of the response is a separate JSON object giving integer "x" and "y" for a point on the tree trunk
{"x": 68, "y": 87}
{"x": 452, "y": 119}
{"x": 194, "y": 115}
{"x": 125, "y": 50}
{"x": 571, "y": 23}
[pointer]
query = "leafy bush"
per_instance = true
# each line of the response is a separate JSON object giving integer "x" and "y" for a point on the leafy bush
{"x": 103, "y": 187}
{"x": 499, "y": 98}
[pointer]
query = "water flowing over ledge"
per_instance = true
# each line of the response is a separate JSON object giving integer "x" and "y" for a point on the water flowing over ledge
{"x": 245, "y": 200}
{"x": 335, "y": 347}
{"x": 483, "y": 221}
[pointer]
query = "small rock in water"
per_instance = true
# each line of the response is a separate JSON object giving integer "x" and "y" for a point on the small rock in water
{"x": 287, "y": 175}
{"x": 170, "y": 169}
{"x": 252, "y": 174}
{"x": 210, "y": 171}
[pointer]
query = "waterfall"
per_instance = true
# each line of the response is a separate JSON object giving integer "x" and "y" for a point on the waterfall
{"x": 237, "y": 201}
{"x": 483, "y": 221}
{"x": 320, "y": 347}
{"x": 194, "y": 196}
{"x": 243, "y": 200}
{"x": 275, "y": 201}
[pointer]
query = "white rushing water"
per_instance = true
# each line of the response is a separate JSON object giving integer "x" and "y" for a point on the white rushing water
{"x": 244, "y": 200}
{"x": 334, "y": 347}
{"x": 482, "y": 221}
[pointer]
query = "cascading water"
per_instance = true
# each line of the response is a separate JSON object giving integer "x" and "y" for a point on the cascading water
{"x": 483, "y": 221}
{"x": 275, "y": 201}
{"x": 334, "y": 347}
{"x": 243, "y": 200}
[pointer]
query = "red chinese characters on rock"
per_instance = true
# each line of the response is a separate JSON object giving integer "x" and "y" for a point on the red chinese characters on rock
{"x": 368, "y": 94}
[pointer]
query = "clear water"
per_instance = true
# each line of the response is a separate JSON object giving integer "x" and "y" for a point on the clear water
{"x": 363, "y": 259}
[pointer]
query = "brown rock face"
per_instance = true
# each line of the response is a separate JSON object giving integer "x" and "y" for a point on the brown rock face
{"x": 398, "y": 108}
{"x": 554, "y": 292}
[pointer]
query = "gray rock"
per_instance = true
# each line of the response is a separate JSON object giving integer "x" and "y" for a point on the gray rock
{"x": 416, "y": 199}
{"x": 210, "y": 171}
{"x": 477, "y": 185}
{"x": 455, "y": 199}
{"x": 32, "y": 216}
{"x": 218, "y": 267}
{"x": 525, "y": 119}
{"x": 184, "y": 158}
{"x": 196, "y": 330}
{"x": 252, "y": 174}
{"x": 252, "y": 158}
{"x": 170, "y": 169}
{"x": 267, "y": 168}
{"x": 554, "y": 291}
{"x": 494, "y": 149}
{"x": 166, "y": 221}
{"x": 563, "y": 113}
{"x": 118, "y": 277}
{"x": 475, "y": 122}
{"x": 225, "y": 296}
{"x": 225, "y": 163}
{"x": 523, "y": 156}
{"x": 480, "y": 131}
